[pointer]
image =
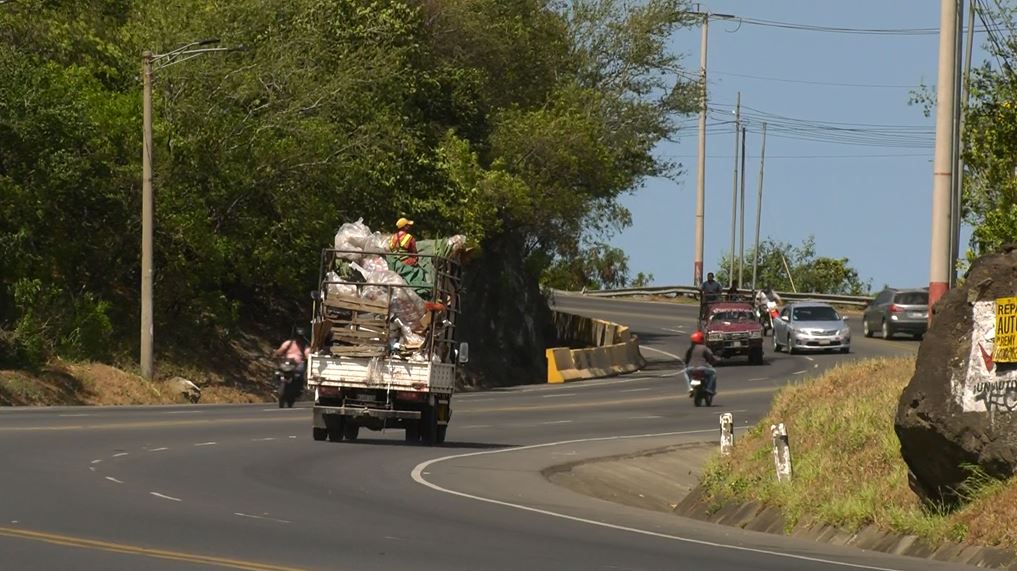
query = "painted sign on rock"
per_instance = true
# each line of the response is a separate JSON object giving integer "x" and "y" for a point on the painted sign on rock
{"x": 990, "y": 384}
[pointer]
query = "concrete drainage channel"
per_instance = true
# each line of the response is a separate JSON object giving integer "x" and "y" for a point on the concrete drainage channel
{"x": 666, "y": 479}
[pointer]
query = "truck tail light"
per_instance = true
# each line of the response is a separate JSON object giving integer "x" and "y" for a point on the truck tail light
{"x": 409, "y": 395}
{"x": 327, "y": 391}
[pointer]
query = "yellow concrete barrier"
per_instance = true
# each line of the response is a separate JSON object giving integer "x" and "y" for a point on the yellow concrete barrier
{"x": 611, "y": 349}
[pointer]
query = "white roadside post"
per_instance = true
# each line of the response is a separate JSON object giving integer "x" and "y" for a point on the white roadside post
{"x": 726, "y": 433}
{"x": 781, "y": 452}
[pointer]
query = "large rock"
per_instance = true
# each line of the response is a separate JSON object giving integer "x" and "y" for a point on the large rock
{"x": 505, "y": 318}
{"x": 960, "y": 408}
{"x": 184, "y": 389}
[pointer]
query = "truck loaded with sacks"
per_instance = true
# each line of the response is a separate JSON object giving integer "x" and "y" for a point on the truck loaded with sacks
{"x": 384, "y": 353}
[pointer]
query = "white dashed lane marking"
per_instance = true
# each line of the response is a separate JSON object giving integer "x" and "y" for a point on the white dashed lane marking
{"x": 165, "y": 497}
{"x": 114, "y": 480}
{"x": 205, "y": 444}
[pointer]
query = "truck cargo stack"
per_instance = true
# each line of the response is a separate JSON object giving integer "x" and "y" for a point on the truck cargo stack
{"x": 384, "y": 353}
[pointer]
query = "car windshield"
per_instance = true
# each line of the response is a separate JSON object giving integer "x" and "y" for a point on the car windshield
{"x": 912, "y": 298}
{"x": 818, "y": 313}
{"x": 736, "y": 316}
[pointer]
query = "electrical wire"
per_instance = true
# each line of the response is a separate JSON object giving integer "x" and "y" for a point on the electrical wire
{"x": 845, "y": 30}
{"x": 829, "y": 83}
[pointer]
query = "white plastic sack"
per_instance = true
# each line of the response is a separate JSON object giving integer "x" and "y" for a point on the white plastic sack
{"x": 375, "y": 264}
{"x": 456, "y": 243}
{"x": 338, "y": 289}
{"x": 352, "y": 236}
{"x": 378, "y": 243}
{"x": 409, "y": 339}
{"x": 405, "y": 304}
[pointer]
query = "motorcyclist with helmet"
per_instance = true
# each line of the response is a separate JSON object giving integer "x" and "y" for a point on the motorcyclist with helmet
{"x": 698, "y": 357}
{"x": 295, "y": 349}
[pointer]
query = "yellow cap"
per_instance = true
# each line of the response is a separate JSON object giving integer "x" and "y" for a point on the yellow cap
{"x": 403, "y": 222}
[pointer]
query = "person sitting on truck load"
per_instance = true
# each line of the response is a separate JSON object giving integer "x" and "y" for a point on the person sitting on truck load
{"x": 403, "y": 241}
{"x": 698, "y": 357}
{"x": 711, "y": 288}
{"x": 297, "y": 349}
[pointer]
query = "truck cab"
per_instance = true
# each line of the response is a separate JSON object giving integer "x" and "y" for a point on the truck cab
{"x": 731, "y": 329}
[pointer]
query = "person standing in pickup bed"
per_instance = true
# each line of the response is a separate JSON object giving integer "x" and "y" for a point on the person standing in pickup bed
{"x": 404, "y": 242}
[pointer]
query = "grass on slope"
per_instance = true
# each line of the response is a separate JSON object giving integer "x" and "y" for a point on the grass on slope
{"x": 847, "y": 465}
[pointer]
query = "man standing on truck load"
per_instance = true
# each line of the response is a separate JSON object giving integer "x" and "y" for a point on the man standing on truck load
{"x": 699, "y": 357}
{"x": 403, "y": 241}
{"x": 711, "y": 288}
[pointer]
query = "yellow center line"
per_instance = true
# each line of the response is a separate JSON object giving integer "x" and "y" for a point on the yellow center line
{"x": 155, "y": 424}
{"x": 95, "y": 545}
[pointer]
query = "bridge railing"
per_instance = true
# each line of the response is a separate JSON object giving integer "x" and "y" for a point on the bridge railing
{"x": 692, "y": 291}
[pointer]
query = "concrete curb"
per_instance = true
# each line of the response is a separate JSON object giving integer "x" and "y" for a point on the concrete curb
{"x": 666, "y": 479}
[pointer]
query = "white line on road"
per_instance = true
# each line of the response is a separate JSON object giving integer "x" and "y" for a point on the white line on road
{"x": 92, "y": 468}
{"x": 73, "y": 415}
{"x": 473, "y": 426}
{"x": 809, "y": 359}
{"x": 277, "y": 520}
{"x": 473, "y": 399}
{"x": 800, "y": 372}
{"x": 97, "y": 461}
{"x": 649, "y": 417}
{"x": 671, "y": 330}
{"x": 114, "y": 480}
{"x": 184, "y": 412}
{"x": 291, "y": 436}
{"x": 635, "y": 390}
{"x": 158, "y": 449}
{"x": 759, "y": 379}
{"x": 119, "y": 454}
{"x": 672, "y": 355}
{"x": 418, "y": 474}
{"x": 205, "y": 444}
{"x": 263, "y": 439}
{"x": 165, "y": 497}
{"x": 558, "y": 395}
{"x": 556, "y": 422}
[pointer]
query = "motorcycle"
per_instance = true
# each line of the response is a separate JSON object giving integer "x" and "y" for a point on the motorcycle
{"x": 698, "y": 379}
{"x": 766, "y": 315}
{"x": 289, "y": 382}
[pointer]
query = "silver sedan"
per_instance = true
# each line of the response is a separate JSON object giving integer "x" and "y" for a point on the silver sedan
{"x": 811, "y": 326}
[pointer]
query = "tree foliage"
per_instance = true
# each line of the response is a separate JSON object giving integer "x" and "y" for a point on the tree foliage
{"x": 809, "y": 272}
{"x": 518, "y": 121}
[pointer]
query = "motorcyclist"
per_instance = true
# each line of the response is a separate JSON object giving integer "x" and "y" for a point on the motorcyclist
{"x": 698, "y": 357}
{"x": 297, "y": 349}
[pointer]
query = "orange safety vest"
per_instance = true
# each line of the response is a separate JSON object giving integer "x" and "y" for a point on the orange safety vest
{"x": 402, "y": 242}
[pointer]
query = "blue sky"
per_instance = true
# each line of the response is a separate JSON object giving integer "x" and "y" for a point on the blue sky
{"x": 868, "y": 203}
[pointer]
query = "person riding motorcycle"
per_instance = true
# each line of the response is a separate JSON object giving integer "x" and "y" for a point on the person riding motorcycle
{"x": 698, "y": 357}
{"x": 296, "y": 349}
{"x": 767, "y": 301}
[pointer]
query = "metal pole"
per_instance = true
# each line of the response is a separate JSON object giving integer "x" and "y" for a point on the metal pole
{"x": 741, "y": 224}
{"x": 147, "y": 328}
{"x": 955, "y": 150}
{"x": 759, "y": 212}
{"x": 697, "y": 270}
{"x": 957, "y": 207}
{"x": 939, "y": 249}
{"x": 734, "y": 192}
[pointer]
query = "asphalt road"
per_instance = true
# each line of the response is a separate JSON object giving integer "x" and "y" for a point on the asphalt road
{"x": 245, "y": 487}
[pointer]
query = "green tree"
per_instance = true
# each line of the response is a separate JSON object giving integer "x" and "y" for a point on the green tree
{"x": 810, "y": 273}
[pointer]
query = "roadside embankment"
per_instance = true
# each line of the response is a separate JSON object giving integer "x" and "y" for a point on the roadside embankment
{"x": 849, "y": 485}
{"x": 596, "y": 348}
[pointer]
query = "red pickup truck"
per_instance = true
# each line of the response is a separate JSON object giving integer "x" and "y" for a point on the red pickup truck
{"x": 731, "y": 328}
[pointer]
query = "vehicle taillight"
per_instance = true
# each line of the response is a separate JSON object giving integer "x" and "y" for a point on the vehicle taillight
{"x": 327, "y": 391}
{"x": 894, "y": 308}
{"x": 409, "y": 395}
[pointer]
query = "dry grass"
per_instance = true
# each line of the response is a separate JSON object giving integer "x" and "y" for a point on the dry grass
{"x": 847, "y": 465}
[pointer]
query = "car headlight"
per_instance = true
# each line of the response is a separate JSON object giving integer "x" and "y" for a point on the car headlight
{"x": 846, "y": 332}
{"x": 756, "y": 335}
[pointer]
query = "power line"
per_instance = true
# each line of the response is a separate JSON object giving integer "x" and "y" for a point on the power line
{"x": 855, "y": 31}
{"x": 830, "y": 83}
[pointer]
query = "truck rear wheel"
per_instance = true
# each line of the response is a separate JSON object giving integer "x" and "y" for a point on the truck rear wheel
{"x": 428, "y": 426}
{"x": 351, "y": 431}
{"x": 320, "y": 433}
{"x": 440, "y": 434}
{"x": 413, "y": 431}
{"x": 334, "y": 427}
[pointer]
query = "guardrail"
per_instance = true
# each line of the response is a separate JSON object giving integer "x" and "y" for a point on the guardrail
{"x": 692, "y": 291}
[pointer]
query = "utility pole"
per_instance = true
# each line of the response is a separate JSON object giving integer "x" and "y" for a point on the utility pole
{"x": 939, "y": 255}
{"x": 741, "y": 224}
{"x": 147, "y": 329}
{"x": 734, "y": 192}
{"x": 759, "y": 211}
{"x": 150, "y": 62}
{"x": 697, "y": 271}
{"x": 956, "y": 209}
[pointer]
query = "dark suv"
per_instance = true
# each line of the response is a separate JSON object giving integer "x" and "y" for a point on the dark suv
{"x": 897, "y": 311}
